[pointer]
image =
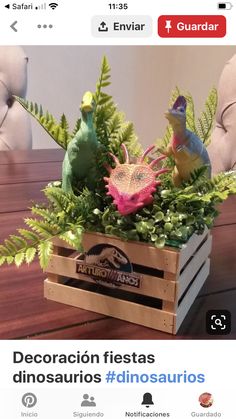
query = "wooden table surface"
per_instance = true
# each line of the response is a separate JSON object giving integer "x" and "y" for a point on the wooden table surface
{"x": 24, "y": 313}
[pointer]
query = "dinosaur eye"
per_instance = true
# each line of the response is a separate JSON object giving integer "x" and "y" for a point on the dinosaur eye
{"x": 133, "y": 197}
{"x": 139, "y": 176}
{"x": 181, "y": 109}
{"x": 120, "y": 175}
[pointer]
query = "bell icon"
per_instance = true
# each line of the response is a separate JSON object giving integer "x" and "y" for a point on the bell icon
{"x": 147, "y": 399}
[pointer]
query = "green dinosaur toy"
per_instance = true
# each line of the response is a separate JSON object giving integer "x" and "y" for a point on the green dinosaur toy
{"x": 80, "y": 162}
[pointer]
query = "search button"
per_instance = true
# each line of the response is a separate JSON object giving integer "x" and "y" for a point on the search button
{"x": 218, "y": 322}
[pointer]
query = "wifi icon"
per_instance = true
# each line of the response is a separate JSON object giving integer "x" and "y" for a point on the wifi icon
{"x": 53, "y": 5}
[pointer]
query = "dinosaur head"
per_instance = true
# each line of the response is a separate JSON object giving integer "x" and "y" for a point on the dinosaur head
{"x": 87, "y": 104}
{"x": 177, "y": 114}
{"x": 131, "y": 185}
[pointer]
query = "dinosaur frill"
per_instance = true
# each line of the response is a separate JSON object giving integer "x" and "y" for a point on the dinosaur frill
{"x": 131, "y": 184}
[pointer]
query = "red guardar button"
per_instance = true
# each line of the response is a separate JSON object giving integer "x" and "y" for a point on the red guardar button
{"x": 185, "y": 26}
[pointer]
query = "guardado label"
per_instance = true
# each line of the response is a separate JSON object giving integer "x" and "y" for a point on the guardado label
{"x": 108, "y": 265}
{"x": 206, "y": 415}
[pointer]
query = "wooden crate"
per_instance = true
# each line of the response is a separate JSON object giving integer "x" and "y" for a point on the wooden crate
{"x": 158, "y": 293}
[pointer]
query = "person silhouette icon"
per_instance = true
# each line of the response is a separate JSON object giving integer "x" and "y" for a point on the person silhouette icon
{"x": 92, "y": 402}
{"x": 86, "y": 402}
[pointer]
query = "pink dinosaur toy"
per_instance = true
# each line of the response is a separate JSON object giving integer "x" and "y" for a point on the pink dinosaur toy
{"x": 131, "y": 184}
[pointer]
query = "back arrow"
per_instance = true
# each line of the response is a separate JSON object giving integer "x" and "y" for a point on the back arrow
{"x": 13, "y": 26}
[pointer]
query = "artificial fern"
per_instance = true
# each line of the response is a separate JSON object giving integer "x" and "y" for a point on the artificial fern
{"x": 111, "y": 127}
{"x": 205, "y": 122}
{"x": 100, "y": 97}
{"x": 65, "y": 218}
{"x": 58, "y": 131}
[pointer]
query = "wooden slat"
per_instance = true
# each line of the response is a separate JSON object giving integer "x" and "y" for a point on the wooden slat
{"x": 150, "y": 285}
{"x": 31, "y": 172}
{"x": 190, "y": 247}
{"x": 125, "y": 310}
{"x": 31, "y": 156}
{"x": 139, "y": 253}
{"x": 191, "y": 295}
{"x": 193, "y": 266}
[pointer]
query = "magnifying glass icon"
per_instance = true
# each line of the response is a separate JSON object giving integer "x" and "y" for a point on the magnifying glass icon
{"x": 218, "y": 322}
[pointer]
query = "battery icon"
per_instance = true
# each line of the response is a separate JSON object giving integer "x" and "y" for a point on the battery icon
{"x": 227, "y": 5}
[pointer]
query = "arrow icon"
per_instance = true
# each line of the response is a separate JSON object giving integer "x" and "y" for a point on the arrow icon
{"x": 12, "y": 26}
{"x": 7, "y": 6}
{"x": 103, "y": 27}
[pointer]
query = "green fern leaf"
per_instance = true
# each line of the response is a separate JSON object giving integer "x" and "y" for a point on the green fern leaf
{"x": 10, "y": 246}
{"x": 10, "y": 260}
{"x": 41, "y": 227}
{"x": 45, "y": 249}
{"x": 30, "y": 254}
{"x": 100, "y": 97}
{"x": 63, "y": 123}
{"x": 54, "y": 195}
{"x": 2, "y": 260}
{"x": 205, "y": 123}
{"x": 4, "y": 251}
{"x": 18, "y": 241}
{"x": 76, "y": 128}
{"x": 28, "y": 235}
{"x": 190, "y": 113}
{"x": 19, "y": 259}
{"x": 73, "y": 238}
{"x": 59, "y": 132}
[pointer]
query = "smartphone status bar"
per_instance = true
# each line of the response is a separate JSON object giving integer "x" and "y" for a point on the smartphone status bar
{"x": 103, "y": 23}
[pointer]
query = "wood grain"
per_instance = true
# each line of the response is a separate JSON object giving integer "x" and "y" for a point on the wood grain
{"x": 20, "y": 196}
{"x": 223, "y": 261}
{"x": 23, "y": 309}
{"x": 227, "y": 212}
{"x": 31, "y": 156}
{"x": 10, "y": 222}
{"x": 31, "y": 172}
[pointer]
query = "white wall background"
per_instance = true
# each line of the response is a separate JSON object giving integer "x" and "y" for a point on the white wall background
{"x": 142, "y": 80}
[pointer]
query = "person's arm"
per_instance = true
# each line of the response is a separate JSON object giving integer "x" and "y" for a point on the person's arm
{"x": 222, "y": 150}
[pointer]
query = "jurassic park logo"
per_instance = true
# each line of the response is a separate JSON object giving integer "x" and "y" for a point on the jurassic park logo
{"x": 108, "y": 265}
